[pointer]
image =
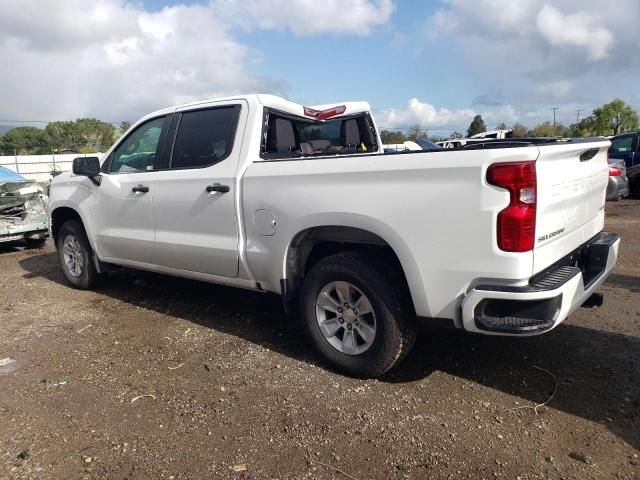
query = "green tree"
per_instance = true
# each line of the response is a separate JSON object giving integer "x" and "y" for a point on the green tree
{"x": 391, "y": 137}
{"x": 562, "y": 131}
{"x": 584, "y": 128}
{"x": 477, "y": 126}
{"x": 455, "y": 135}
{"x": 64, "y": 136}
{"x": 546, "y": 129}
{"x": 502, "y": 126}
{"x": 416, "y": 131}
{"x": 519, "y": 130}
{"x": 615, "y": 117}
{"x": 24, "y": 141}
{"x": 85, "y": 135}
{"x": 96, "y": 134}
{"x": 122, "y": 128}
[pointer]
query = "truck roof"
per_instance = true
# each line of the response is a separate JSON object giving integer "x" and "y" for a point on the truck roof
{"x": 275, "y": 102}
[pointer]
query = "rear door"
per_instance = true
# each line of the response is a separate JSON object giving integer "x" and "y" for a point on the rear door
{"x": 194, "y": 195}
{"x": 571, "y": 185}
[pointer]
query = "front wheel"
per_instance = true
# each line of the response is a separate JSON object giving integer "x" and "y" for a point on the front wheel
{"x": 76, "y": 255}
{"x": 358, "y": 314}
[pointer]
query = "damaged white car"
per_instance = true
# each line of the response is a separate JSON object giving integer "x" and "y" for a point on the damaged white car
{"x": 23, "y": 210}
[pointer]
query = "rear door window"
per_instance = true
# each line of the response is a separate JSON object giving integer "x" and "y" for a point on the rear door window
{"x": 205, "y": 137}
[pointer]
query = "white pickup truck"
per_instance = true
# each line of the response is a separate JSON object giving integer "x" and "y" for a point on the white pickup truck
{"x": 260, "y": 193}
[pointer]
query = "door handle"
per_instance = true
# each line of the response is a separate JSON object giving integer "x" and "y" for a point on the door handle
{"x": 140, "y": 188}
{"x": 216, "y": 187}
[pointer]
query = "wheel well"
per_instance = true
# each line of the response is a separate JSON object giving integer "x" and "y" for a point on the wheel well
{"x": 312, "y": 245}
{"x": 61, "y": 215}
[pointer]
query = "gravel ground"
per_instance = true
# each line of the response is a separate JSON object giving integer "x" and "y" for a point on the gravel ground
{"x": 163, "y": 378}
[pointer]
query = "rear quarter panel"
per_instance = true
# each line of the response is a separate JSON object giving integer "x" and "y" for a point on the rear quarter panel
{"x": 433, "y": 208}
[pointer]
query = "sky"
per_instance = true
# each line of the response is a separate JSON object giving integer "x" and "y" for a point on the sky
{"x": 436, "y": 63}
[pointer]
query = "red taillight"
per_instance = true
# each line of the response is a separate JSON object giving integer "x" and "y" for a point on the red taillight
{"x": 614, "y": 171}
{"x": 517, "y": 222}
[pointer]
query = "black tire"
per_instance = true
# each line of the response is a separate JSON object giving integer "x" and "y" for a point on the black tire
{"x": 88, "y": 277}
{"x": 386, "y": 290}
{"x": 35, "y": 242}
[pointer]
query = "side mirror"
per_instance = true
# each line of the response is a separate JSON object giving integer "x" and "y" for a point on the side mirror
{"x": 87, "y": 167}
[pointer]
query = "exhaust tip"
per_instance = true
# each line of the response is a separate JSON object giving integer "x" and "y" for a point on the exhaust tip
{"x": 595, "y": 300}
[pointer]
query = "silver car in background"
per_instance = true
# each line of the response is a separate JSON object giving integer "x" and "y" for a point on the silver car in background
{"x": 618, "y": 186}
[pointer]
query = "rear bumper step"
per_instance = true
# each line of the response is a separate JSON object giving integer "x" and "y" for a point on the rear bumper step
{"x": 549, "y": 297}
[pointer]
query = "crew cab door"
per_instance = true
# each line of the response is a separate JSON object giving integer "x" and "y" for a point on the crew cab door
{"x": 194, "y": 195}
{"x": 121, "y": 218}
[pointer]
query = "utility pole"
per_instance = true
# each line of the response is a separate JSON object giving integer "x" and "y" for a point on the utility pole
{"x": 578, "y": 115}
{"x": 554, "y": 119}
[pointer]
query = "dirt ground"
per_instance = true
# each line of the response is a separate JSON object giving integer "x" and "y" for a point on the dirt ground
{"x": 162, "y": 378}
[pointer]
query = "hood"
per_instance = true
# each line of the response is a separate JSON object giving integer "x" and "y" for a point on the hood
{"x": 7, "y": 175}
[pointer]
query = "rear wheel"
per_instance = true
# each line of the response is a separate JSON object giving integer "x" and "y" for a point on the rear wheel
{"x": 76, "y": 256}
{"x": 357, "y": 314}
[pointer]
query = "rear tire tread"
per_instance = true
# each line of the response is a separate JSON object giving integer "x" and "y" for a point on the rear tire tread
{"x": 386, "y": 288}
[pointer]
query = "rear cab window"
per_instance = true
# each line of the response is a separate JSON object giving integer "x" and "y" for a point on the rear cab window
{"x": 288, "y": 136}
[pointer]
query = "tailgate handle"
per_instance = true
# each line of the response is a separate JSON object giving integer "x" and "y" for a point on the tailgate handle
{"x": 588, "y": 155}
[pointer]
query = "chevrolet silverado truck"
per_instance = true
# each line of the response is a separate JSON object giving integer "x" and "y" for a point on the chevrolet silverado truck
{"x": 261, "y": 193}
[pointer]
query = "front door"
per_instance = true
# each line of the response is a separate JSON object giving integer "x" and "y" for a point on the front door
{"x": 194, "y": 195}
{"x": 122, "y": 217}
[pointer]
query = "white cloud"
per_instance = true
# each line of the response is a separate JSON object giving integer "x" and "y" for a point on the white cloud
{"x": 506, "y": 114}
{"x": 555, "y": 90}
{"x": 443, "y": 119}
{"x": 424, "y": 114}
{"x": 112, "y": 59}
{"x": 309, "y": 17}
{"x": 543, "y": 53}
{"x": 106, "y": 58}
{"x": 578, "y": 29}
{"x": 575, "y": 30}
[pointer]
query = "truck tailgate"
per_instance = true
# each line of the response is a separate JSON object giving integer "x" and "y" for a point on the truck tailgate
{"x": 571, "y": 187}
